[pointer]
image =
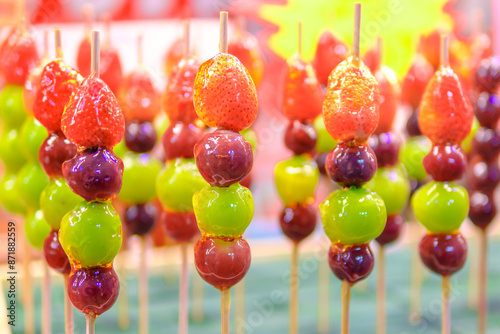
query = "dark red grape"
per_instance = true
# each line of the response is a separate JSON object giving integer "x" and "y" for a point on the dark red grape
{"x": 300, "y": 138}
{"x": 386, "y": 147}
{"x": 483, "y": 175}
{"x": 140, "y": 137}
{"x": 487, "y": 78}
{"x": 351, "y": 263}
{"x": 351, "y": 165}
{"x": 55, "y": 150}
{"x": 54, "y": 254}
{"x": 179, "y": 140}
{"x": 391, "y": 230}
{"x": 486, "y": 143}
{"x": 445, "y": 162}
{"x": 320, "y": 159}
{"x": 180, "y": 226}
{"x": 482, "y": 208}
{"x": 444, "y": 254}
{"x": 247, "y": 181}
{"x": 93, "y": 291}
{"x": 95, "y": 173}
{"x": 412, "y": 127}
{"x": 487, "y": 109}
{"x": 140, "y": 218}
{"x": 220, "y": 262}
{"x": 298, "y": 222}
{"x": 223, "y": 157}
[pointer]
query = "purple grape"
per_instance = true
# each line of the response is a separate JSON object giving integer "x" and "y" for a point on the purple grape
{"x": 483, "y": 175}
{"x": 351, "y": 165}
{"x": 180, "y": 226}
{"x": 486, "y": 143}
{"x": 300, "y": 137}
{"x": 482, "y": 208}
{"x": 320, "y": 159}
{"x": 391, "y": 230}
{"x": 350, "y": 263}
{"x": 179, "y": 140}
{"x": 487, "y": 109}
{"x": 54, "y": 151}
{"x": 412, "y": 127}
{"x": 54, "y": 254}
{"x": 445, "y": 162}
{"x": 140, "y": 218}
{"x": 298, "y": 222}
{"x": 444, "y": 254}
{"x": 93, "y": 291}
{"x": 487, "y": 76}
{"x": 95, "y": 173}
{"x": 140, "y": 137}
{"x": 223, "y": 157}
{"x": 386, "y": 147}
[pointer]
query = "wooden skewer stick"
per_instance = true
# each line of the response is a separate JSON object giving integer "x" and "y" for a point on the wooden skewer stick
{"x": 90, "y": 324}
{"x": 184, "y": 290}
{"x": 143, "y": 289}
{"x": 300, "y": 40}
{"x": 294, "y": 290}
{"x": 223, "y": 32}
{"x": 58, "y": 42}
{"x": 29, "y": 319}
{"x": 381, "y": 295}
{"x": 483, "y": 283}
{"x": 416, "y": 274}
{"x": 68, "y": 310}
{"x": 198, "y": 291}
{"x": 123, "y": 315}
{"x": 46, "y": 304}
{"x": 239, "y": 307}
{"x": 94, "y": 56}
{"x": 445, "y": 58}
{"x": 324, "y": 297}
{"x": 46, "y": 44}
{"x": 357, "y": 32}
{"x": 446, "y": 319}
{"x": 139, "y": 49}
{"x": 473, "y": 276}
{"x": 186, "y": 28}
{"x": 346, "y": 300}
{"x": 225, "y": 305}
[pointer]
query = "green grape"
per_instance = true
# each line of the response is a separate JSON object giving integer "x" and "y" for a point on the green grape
{"x": 296, "y": 179}
{"x": 8, "y": 195}
{"x": 91, "y": 234}
{"x": 412, "y": 154}
{"x": 120, "y": 149}
{"x": 223, "y": 211}
{"x": 139, "y": 178}
{"x": 467, "y": 142}
{"x": 36, "y": 229}
{"x": 161, "y": 123}
{"x": 31, "y": 138}
{"x": 393, "y": 186}
{"x": 31, "y": 180}
{"x": 10, "y": 151}
{"x": 353, "y": 216}
{"x": 177, "y": 183}
{"x": 12, "y": 110}
{"x": 56, "y": 200}
{"x": 325, "y": 142}
{"x": 251, "y": 137}
{"x": 441, "y": 206}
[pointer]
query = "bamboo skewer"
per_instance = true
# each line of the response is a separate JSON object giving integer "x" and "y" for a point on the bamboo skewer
{"x": 483, "y": 283}
{"x": 357, "y": 30}
{"x": 381, "y": 294}
{"x": 416, "y": 277}
{"x": 46, "y": 302}
{"x": 186, "y": 31}
{"x": 299, "y": 38}
{"x": 90, "y": 324}
{"x": 68, "y": 310}
{"x": 346, "y": 300}
{"x": 198, "y": 291}
{"x": 225, "y": 304}
{"x": 446, "y": 320}
{"x": 184, "y": 290}
{"x": 239, "y": 308}
{"x": 123, "y": 317}
{"x": 294, "y": 289}
{"x": 94, "y": 56}
{"x": 29, "y": 306}
{"x": 143, "y": 289}
{"x": 223, "y": 32}
{"x": 323, "y": 297}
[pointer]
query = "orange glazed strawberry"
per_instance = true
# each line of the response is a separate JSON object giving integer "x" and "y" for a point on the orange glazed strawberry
{"x": 111, "y": 68}
{"x": 445, "y": 114}
{"x": 351, "y": 106}
{"x": 174, "y": 55}
{"x": 92, "y": 117}
{"x": 57, "y": 83}
{"x": 415, "y": 81}
{"x": 246, "y": 48}
{"x": 138, "y": 97}
{"x": 224, "y": 94}
{"x": 389, "y": 98}
{"x": 329, "y": 53}
{"x": 302, "y": 93}
{"x": 178, "y": 96}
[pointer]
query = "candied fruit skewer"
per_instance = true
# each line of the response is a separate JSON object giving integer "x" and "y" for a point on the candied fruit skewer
{"x": 390, "y": 181}
{"x": 445, "y": 116}
{"x": 482, "y": 184}
{"x": 91, "y": 233}
{"x": 224, "y": 158}
{"x": 296, "y": 178}
{"x": 140, "y": 102}
{"x": 353, "y": 215}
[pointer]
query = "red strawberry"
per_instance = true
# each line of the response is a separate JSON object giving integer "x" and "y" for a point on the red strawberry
{"x": 83, "y": 57}
{"x": 415, "y": 81}
{"x": 92, "y": 117}
{"x": 18, "y": 55}
{"x": 174, "y": 55}
{"x": 389, "y": 98}
{"x": 329, "y": 53}
{"x": 224, "y": 94}
{"x": 302, "y": 93}
{"x": 138, "y": 97}
{"x": 57, "y": 83}
{"x": 178, "y": 96}
{"x": 246, "y": 48}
